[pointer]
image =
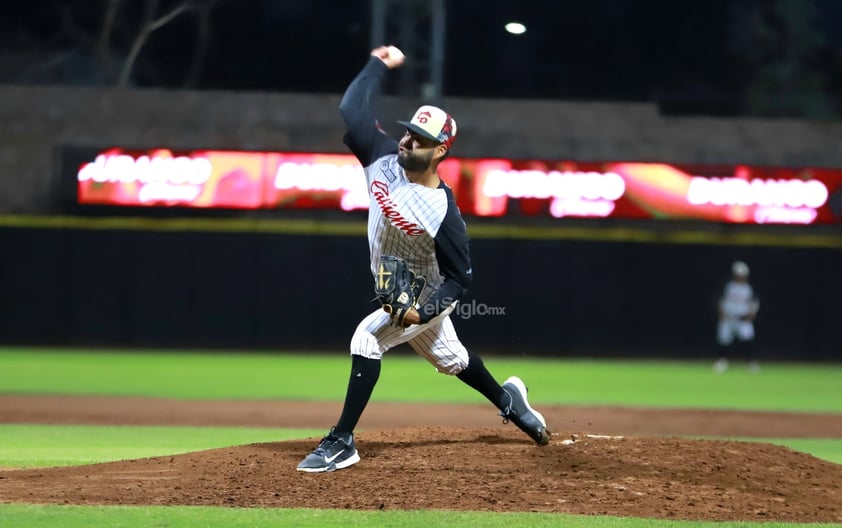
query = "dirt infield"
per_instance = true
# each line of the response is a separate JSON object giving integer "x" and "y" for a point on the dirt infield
{"x": 607, "y": 461}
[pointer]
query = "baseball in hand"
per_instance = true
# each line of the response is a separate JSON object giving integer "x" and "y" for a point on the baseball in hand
{"x": 395, "y": 54}
{"x": 390, "y": 55}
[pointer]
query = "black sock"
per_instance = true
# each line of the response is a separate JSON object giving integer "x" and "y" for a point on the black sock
{"x": 477, "y": 377}
{"x": 364, "y": 375}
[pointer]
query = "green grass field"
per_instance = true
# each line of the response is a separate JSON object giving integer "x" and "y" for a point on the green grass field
{"x": 406, "y": 378}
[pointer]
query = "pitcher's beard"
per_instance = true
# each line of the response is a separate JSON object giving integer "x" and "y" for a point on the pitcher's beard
{"x": 413, "y": 163}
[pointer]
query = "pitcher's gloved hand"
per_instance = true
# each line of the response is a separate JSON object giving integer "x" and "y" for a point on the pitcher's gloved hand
{"x": 397, "y": 288}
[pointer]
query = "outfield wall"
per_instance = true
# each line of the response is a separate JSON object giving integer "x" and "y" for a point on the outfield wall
{"x": 270, "y": 290}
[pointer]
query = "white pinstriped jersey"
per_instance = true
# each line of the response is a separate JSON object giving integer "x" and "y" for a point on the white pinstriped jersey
{"x": 404, "y": 219}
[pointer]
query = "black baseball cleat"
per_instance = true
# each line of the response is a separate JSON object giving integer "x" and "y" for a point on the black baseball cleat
{"x": 521, "y": 414}
{"x": 334, "y": 452}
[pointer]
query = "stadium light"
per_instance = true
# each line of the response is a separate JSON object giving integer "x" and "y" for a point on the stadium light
{"x": 515, "y": 28}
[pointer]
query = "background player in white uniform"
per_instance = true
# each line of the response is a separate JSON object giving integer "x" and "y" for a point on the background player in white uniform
{"x": 737, "y": 309}
{"x": 412, "y": 215}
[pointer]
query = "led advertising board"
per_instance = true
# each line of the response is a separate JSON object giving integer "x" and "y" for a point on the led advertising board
{"x": 483, "y": 186}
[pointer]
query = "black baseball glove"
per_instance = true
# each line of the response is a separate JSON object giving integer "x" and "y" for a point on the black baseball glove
{"x": 397, "y": 287}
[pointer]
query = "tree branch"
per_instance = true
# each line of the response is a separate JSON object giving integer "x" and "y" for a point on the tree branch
{"x": 103, "y": 46}
{"x": 164, "y": 20}
{"x": 149, "y": 26}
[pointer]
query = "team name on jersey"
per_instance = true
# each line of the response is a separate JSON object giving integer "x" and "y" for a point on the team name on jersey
{"x": 380, "y": 192}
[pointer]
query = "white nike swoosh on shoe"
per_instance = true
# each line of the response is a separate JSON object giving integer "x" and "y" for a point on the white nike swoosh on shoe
{"x": 331, "y": 459}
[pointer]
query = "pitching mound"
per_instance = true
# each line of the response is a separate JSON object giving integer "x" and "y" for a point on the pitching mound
{"x": 476, "y": 468}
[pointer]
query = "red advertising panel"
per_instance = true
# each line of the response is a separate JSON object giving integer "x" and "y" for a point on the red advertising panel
{"x": 483, "y": 187}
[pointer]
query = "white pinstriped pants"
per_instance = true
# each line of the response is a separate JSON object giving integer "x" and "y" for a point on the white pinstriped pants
{"x": 435, "y": 341}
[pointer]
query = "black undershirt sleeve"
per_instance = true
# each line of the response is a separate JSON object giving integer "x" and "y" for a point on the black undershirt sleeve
{"x": 453, "y": 255}
{"x": 358, "y": 107}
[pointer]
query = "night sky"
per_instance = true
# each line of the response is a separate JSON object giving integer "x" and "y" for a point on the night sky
{"x": 669, "y": 50}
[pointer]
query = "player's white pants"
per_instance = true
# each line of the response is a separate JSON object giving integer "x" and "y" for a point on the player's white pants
{"x": 730, "y": 328}
{"x": 435, "y": 341}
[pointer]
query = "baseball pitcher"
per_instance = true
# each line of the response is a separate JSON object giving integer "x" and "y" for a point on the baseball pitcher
{"x": 420, "y": 263}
